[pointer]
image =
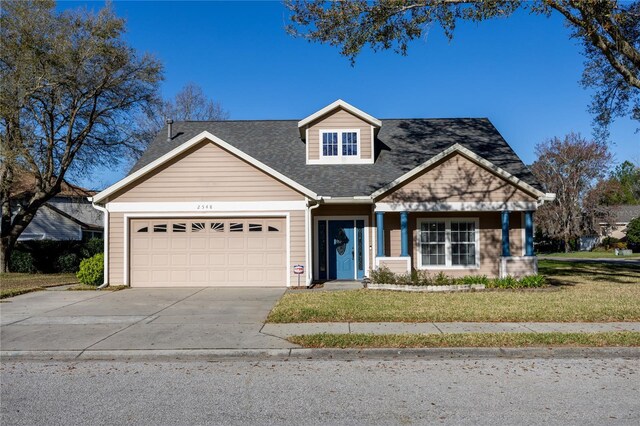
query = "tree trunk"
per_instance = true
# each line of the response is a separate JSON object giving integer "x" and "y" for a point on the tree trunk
{"x": 566, "y": 244}
{"x": 7, "y": 245}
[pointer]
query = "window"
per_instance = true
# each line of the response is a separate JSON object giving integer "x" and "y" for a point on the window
{"x": 197, "y": 226}
{"x": 160, "y": 227}
{"x": 236, "y": 227}
{"x": 463, "y": 243}
{"x": 217, "y": 226}
{"x": 255, "y": 227}
{"x": 179, "y": 227}
{"x": 448, "y": 243}
{"x": 144, "y": 229}
{"x": 349, "y": 143}
{"x": 273, "y": 229}
{"x": 329, "y": 144}
{"x": 340, "y": 145}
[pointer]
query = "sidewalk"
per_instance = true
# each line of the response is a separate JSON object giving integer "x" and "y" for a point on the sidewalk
{"x": 287, "y": 330}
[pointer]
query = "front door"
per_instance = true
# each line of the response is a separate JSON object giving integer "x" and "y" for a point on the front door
{"x": 341, "y": 250}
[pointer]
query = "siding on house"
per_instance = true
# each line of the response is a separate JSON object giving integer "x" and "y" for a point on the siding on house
{"x": 204, "y": 173}
{"x": 490, "y": 230}
{"x": 207, "y": 173}
{"x": 339, "y": 119}
{"x": 457, "y": 179}
{"x": 116, "y": 248}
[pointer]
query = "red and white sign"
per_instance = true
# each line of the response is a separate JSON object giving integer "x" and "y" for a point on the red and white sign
{"x": 298, "y": 269}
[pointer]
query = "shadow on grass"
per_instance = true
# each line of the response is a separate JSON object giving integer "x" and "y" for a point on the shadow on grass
{"x": 594, "y": 271}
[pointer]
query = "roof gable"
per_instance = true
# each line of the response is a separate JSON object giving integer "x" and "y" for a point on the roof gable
{"x": 332, "y": 107}
{"x": 401, "y": 146}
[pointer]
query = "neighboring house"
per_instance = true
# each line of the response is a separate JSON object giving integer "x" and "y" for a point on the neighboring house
{"x": 338, "y": 193}
{"x": 67, "y": 216}
{"x": 623, "y": 215}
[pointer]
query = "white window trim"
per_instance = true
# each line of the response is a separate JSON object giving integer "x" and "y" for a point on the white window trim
{"x": 447, "y": 242}
{"x": 339, "y": 159}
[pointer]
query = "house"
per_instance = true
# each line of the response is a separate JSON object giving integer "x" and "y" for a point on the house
{"x": 66, "y": 216}
{"x": 332, "y": 196}
{"x": 623, "y": 214}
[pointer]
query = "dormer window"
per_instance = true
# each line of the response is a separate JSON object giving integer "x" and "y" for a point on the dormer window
{"x": 339, "y": 143}
{"x": 339, "y": 134}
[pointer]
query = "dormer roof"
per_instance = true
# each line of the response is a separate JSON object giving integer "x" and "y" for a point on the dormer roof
{"x": 332, "y": 107}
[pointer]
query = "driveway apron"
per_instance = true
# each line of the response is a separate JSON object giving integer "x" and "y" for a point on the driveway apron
{"x": 134, "y": 319}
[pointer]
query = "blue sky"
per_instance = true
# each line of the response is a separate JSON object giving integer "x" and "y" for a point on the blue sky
{"x": 522, "y": 72}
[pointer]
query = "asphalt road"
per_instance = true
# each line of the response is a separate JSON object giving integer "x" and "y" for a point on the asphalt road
{"x": 492, "y": 391}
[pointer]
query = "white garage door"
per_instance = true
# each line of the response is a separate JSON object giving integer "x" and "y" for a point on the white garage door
{"x": 208, "y": 252}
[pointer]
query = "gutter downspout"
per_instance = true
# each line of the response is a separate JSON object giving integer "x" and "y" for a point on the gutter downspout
{"x": 106, "y": 242}
{"x": 308, "y": 230}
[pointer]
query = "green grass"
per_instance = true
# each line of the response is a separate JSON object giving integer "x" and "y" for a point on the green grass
{"x": 589, "y": 292}
{"x": 14, "y": 284}
{"x": 478, "y": 340}
{"x": 592, "y": 255}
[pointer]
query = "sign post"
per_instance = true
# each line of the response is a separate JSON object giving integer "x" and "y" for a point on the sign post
{"x": 298, "y": 270}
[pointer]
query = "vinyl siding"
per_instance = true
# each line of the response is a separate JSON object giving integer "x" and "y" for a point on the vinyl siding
{"x": 116, "y": 248}
{"x": 340, "y": 119}
{"x": 456, "y": 179}
{"x": 490, "y": 228}
{"x": 207, "y": 173}
{"x": 297, "y": 240}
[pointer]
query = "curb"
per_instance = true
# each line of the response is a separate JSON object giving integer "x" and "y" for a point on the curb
{"x": 319, "y": 354}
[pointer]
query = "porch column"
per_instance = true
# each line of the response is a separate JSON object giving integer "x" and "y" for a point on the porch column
{"x": 528, "y": 233}
{"x": 380, "y": 233}
{"x": 506, "y": 252}
{"x": 404, "y": 238}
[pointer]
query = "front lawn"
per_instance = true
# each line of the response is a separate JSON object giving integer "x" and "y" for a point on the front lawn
{"x": 581, "y": 292}
{"x": 591, "y": 255}
{"x": 13, "y": 284}
{"x": 469, "y": 340}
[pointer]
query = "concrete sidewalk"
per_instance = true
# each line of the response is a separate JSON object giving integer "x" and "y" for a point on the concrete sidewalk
{"x": 287, "y": 330}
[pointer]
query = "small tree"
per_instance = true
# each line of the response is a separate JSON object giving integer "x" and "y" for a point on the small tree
{"x": 570, "y": 167}
{"x": 68, "y": 87}
{"x": 633, "y": 234}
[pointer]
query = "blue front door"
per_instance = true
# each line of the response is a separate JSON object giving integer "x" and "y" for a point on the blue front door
{"x": 341, "y": 250}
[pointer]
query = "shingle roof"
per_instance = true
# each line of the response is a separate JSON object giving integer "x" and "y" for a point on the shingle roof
{"x": 625, "y": 213}
{"x": 401, "y": 145}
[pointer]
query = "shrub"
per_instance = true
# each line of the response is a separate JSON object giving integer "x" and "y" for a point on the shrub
{"x": 506, "y": 282}
{"x": 93, "y": 247}
{"x": 383, "y": 275}
{"x": 21, "y": 261}
{"x": 442, "y": 279}
{"x": 532, "y": 281}
{"x": 473, "y": 279}
{"x": 92, "y": 270}
{"x": 69, "y": 262}
{"x": 620, "y": 245}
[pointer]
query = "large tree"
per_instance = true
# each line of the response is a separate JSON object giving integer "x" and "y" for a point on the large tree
{"x": 609, "y": 31}
{"x": 68, "y": 87}
{"x": 190, "y": 103}
{"x": 571, "y": 167}
{"x": 624, "y": 183}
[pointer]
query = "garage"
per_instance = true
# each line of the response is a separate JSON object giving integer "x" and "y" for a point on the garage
{"x": 208, "y": 252}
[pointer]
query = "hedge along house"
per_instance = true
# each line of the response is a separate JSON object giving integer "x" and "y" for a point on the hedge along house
{"x": 241, "y": 203}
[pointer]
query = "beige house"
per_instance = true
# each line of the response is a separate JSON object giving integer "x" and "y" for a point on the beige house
{"x": 329, "y": 197}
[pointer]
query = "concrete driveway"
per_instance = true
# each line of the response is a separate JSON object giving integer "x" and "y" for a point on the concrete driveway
{"x": 168, "y": 318}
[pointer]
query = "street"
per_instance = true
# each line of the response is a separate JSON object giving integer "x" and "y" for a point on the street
{"x": 493, "y": 391}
